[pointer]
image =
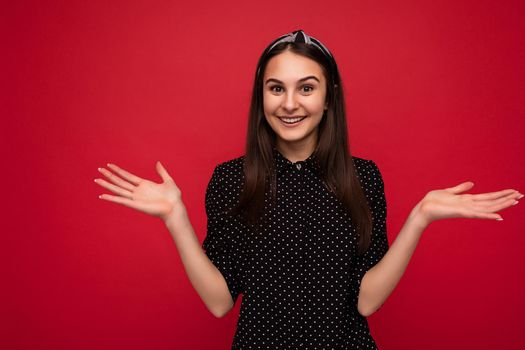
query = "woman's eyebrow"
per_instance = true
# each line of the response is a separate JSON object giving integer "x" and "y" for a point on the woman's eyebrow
{"x": 300, "y": 80}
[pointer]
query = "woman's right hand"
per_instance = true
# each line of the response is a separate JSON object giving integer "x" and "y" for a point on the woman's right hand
{"x": 144, "y": 195}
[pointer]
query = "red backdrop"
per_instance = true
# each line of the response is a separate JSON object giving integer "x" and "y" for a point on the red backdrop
{"x": 434, "y": 94}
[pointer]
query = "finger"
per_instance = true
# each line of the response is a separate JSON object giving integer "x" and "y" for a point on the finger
{"x": 478, "y": 213}
{"x": 163, "y": 172}
{"x": 493, "y": 195}
{"x": 497, "y": 207}
{"x": 462, "y": 187}
{"x": 147, "y": 207}
{"x": 487, "y": 216}
{"x": 115, "y": 189}
{"x": 134, "y": 179}
{"x": 489, "y": 202}
{"x": 116, "y": 180}
{"x": 121, "y": 200}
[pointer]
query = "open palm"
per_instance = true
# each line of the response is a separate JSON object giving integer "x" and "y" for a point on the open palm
{"x": 449, "y": 203}
{"x": 141, "y": 194}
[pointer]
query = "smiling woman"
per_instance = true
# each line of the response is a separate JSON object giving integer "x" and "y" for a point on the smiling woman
{"x": 297, "y": 225}
{"x": 294, "y": 99}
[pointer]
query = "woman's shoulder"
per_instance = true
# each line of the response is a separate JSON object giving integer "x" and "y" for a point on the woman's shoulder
{"x": 367, "y": 169}
{"x": 230, "y": 172}
{"x": 360, "y": 163}
{"x": 232, "y": 165}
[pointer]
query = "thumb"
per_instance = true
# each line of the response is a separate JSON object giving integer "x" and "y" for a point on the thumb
{"x": 462, "y": 187}
{"x": 162, "y": 171}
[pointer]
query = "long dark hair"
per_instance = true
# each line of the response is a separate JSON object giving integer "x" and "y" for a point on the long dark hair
{"x": 334, "y": 161}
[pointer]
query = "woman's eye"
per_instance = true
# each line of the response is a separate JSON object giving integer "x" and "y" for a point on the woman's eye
{"x": 308, "y": 87}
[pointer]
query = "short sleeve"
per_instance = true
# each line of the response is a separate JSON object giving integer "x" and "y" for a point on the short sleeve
{"x": 375, "y": 192}
{"x": 219, "y": 243}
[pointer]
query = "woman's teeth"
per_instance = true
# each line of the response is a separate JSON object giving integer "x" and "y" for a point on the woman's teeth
{"x": 292, "y": 120}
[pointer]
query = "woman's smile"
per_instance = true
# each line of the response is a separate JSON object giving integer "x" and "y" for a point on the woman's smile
{"x": 291, "y": 122}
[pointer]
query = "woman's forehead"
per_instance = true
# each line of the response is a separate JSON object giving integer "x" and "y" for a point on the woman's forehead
{"x": 290, "y": 66}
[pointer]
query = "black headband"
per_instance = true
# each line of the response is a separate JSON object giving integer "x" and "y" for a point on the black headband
{"x": 299, "y": 36}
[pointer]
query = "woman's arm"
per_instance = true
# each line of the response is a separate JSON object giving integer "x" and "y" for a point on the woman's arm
{"x": 379, "y": 282}
{"x": 204, "y": 276}
{"x": 164, "y": 200}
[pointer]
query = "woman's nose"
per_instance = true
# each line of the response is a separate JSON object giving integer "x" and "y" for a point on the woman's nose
{"x": 290, "y": 101}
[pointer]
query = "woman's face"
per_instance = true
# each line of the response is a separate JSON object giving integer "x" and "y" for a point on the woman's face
{"x": 294, "y": 87}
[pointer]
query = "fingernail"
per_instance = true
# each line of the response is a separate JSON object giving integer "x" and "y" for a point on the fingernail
{"x": 515, "y": 202}
{"x": 520, "y": 197}
{"x": 499, "y": 219}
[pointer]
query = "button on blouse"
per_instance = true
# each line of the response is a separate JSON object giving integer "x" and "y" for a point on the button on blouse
{"x": 300, "y": 277}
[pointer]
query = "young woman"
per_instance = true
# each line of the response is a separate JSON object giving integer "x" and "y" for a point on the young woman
{"x": 297, "y": 224}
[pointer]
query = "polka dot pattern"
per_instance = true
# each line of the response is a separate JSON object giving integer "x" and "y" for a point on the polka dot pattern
{"x": 300, "y": 277}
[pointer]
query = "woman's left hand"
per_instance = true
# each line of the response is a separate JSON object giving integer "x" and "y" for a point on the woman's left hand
{"x": 449, "y": 203}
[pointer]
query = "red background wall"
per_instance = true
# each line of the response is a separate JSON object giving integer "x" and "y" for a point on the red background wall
{"x": 435, "y": 96}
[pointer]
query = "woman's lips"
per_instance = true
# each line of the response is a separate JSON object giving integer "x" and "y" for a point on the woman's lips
{"x": 290, "y": 125}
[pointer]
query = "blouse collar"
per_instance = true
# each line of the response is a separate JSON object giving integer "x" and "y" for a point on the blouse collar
{"x": 282, "y": 160}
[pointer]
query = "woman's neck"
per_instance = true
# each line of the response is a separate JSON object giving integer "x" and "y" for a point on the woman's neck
{"x": 296, "y": 151}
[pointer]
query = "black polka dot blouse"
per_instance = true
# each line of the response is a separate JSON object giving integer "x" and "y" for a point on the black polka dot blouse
{"x": 300, "y": 278}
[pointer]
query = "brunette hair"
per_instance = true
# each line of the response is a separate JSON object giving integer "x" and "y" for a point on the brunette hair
{"x": 333, "y": 159}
